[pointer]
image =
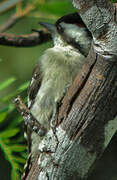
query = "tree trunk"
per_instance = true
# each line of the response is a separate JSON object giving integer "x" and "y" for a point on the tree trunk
{"x": 86, "y": 119}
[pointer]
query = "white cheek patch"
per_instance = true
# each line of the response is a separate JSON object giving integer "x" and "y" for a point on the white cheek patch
{"x": 72, "y": 30}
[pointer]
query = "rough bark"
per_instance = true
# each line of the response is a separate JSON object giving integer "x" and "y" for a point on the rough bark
{"x": 86, "y": 120}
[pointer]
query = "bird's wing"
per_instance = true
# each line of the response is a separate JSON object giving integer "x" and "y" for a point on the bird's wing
{"x": 34, "y": 86}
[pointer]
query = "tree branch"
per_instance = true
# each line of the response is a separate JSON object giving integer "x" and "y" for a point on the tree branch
{"x": 24, "y": 40}
{"x": 77, "y": 86}
{"x": 6, "y": 5}
{"x": 84, "y": 134}
{"x": 27, "y": 40}
{"x": 16, "y": 17}
{"x": 99, "y": 16}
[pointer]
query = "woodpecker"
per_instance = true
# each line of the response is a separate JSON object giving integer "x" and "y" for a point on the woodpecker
{"x": 56, "y": 69}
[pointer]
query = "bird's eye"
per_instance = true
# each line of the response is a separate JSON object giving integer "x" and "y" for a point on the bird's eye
{"x": 60, "y": 29}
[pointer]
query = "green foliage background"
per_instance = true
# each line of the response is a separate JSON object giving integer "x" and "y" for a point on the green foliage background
{"x": 11, "y": 139}
{"x": 16, "y": 65}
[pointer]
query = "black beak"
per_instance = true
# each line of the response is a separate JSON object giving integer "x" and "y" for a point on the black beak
{"x": 48, "y": 26}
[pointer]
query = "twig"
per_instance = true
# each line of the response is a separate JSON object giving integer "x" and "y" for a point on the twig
{"x": 32, "y": 125}
{"x": 15, "y": 18}
{"x": 28, "y": 117}
{"x": 6, "y": 5}
{"x": 28, "y": 40}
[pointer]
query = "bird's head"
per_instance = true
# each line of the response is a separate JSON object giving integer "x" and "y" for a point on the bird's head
{"x": 70, "y": 30}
